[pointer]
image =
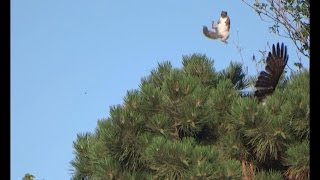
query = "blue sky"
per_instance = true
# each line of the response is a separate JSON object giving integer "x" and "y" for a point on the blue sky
{"x": 71, "y": 60}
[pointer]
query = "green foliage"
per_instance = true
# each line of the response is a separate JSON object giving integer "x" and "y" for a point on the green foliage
{"x": 236, "y": 74}
{"x": 28, "y": 176}
{"x": 200, "y": 66}
{"x": 297, "y": 158}
{"x": 297, "y": 109}
{"x": 193, "y": 123}
{"x": 270, "y": 175}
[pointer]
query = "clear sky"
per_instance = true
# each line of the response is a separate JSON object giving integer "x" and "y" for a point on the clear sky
{"x": 72, "y": 59}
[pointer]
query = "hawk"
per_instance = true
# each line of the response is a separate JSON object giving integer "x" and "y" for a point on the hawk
{"x": 269, "y": 78}
{"x": 221, "y": 30}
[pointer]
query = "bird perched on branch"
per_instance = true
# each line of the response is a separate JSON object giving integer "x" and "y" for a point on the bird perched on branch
{"x": 221, "y": 30}
{"x": 269, "y": 78}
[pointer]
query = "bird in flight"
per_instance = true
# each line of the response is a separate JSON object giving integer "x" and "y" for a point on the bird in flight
{"x": 221, "y": 30}
{"x": 269, "y": 78}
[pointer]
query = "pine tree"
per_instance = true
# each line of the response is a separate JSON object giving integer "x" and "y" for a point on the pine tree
{"x": 194, "y": 123}
{"x": 28, "y": 176}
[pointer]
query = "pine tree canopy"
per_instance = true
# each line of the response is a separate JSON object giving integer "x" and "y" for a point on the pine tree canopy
{"x": 194, "y": 123}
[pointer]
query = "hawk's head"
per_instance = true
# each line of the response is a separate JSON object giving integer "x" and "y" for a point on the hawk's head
{"x": 224, "y": 14}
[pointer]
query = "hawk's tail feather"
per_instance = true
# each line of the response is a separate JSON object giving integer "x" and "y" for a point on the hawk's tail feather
{"x": 210, "y": 34}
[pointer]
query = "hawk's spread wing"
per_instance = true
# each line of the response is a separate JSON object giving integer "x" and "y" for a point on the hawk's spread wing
{"x": 268, "y": 79}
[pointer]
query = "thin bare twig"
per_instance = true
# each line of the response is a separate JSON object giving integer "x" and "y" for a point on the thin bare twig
{"x": 286, "y": 19}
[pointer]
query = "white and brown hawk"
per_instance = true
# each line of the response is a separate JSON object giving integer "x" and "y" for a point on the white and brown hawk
{"x": 221, "y": 30}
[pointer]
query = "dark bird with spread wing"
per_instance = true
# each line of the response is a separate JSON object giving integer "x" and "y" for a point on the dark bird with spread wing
{"x": 269, "y": 78}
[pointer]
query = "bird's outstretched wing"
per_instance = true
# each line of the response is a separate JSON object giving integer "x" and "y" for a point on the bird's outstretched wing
{"x": 210, "y": 34}
{"x": 269, "y": 78}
